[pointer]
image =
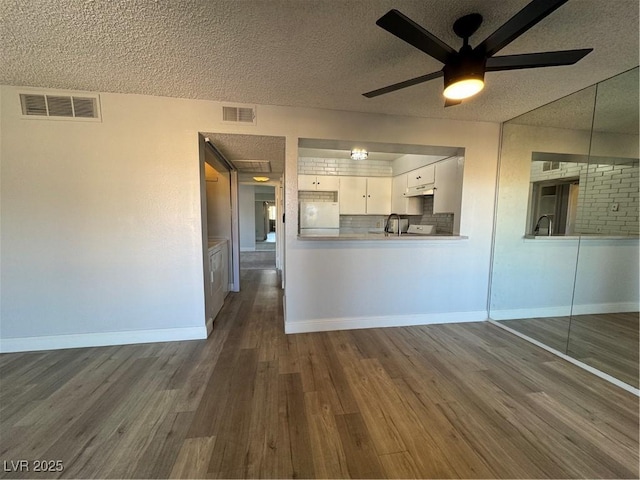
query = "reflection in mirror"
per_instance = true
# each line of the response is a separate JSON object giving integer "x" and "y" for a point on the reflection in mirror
{"x": 604, "y": 322}
{"x": 565, "y": 265}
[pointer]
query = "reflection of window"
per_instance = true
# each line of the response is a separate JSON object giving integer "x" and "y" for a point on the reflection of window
{"x": 557, "y": 200}
{"x": 272, "y": 212}
{"x": 546, "y": 166}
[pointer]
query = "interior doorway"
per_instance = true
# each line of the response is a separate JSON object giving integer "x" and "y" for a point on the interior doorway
{"x": 258, "y": 163}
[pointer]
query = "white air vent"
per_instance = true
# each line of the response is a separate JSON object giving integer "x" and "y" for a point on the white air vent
{"x": 253, "y": 166}
{"x": 61, "y": 106}
{"x": 245, "y": 115}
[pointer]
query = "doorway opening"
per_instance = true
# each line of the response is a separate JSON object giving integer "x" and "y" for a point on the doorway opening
{"x": 256, "y": 206}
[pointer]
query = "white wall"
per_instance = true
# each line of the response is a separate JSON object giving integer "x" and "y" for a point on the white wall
{"x": 342, "y": 284}
{"x": 101, "y": 227}
{"x": 247, "y": 218}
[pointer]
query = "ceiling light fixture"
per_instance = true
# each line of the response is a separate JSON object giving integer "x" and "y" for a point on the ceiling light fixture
{"x": 359, "y": 154}
{"x": 465, "y": 79}
{"x": 261, "y": 179}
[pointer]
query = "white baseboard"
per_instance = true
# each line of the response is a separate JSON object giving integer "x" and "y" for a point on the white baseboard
{"x": 541, "y": 312}
{"x": 57, "y": 342}
{"x": 353, "y": 323}
{"x": 563, "y": 311}
{"x": 247, "y": 249}
{"x": 605, "y": 308}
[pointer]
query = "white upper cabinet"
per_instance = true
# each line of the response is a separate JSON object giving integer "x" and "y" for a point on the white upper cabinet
{"x": 447, "y": 196}
{"x": 421, "y": 176}
{"x": 379, "y": 195}
{"x": 322, "y": 183}
{"x": 365, "y": 195}
{"x": 400, "y": 203}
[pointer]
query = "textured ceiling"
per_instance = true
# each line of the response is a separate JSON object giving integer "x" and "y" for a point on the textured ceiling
{"x": 610, "y": 106}
{"x": 322, "y": 53}
{"x": 251, "y": 147}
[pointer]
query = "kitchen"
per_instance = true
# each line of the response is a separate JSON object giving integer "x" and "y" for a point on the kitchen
{"x": 356, "y": 191}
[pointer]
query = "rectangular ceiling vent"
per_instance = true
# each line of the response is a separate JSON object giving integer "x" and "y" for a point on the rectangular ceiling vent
{"x": 253, "y": 166}
{"x": 59, "y": 106}
{"x": 245, "y": 115}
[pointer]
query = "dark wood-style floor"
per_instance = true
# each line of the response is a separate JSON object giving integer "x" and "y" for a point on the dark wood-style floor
{"x": 441, "y": 401}
{"x": 608, "y": 342}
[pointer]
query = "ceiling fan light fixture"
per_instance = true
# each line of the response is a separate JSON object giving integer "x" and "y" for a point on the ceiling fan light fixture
{"x": 261, "y": 179}
{"x": 463, "y": 88}
{"x": 359, "y": 154}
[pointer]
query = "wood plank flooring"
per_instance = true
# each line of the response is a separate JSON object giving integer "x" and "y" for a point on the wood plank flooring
{"x": 441, "y": 401}
{"x": 608, "y": 342}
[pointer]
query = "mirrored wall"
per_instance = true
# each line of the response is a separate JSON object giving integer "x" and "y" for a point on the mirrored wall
{"x": 565, "y": 267}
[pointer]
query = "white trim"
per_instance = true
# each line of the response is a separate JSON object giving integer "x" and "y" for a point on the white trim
{"x": 352, "y": 323}
{"x": 247, "y": 249}
{"x": 596, "y": 308}
{"x": 584, "y": 366}
{"x": 563, "y": 311}
{"x": 82, "y": 340}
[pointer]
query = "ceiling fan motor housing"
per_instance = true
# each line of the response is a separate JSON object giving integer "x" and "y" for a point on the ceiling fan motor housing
{"x": 464, "y": 66}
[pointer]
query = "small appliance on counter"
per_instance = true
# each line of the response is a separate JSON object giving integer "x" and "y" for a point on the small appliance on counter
{"x": 393, "y": 225}
{"x": 319, "y": 219}
{"x": 422, "y": 229}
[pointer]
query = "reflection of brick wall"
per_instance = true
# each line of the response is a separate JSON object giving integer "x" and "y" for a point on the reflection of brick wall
{"x": 344, "y": 166}
{"x": 567, "y": 170}
{"x": 601, "y": 187}
{"x": 604, "y": 188}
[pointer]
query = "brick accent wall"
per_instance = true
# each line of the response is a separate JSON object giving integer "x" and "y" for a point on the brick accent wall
{"x": 608, "y": 200}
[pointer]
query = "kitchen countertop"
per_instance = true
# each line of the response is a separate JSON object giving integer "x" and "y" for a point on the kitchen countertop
{"x": 380, "y": 236}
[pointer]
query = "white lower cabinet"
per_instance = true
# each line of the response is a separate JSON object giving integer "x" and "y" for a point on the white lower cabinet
{"x": 365, "y": 195}
{"x": 218, "y": 285}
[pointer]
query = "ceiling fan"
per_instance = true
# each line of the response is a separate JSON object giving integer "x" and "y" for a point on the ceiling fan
{"x": 464, "y": 70}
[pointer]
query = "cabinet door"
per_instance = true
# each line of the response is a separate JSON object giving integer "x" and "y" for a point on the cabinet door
{"x": 306, "y": 182}
{"x": 421, "y": 176}
{"x": 379, "y": 195}
{"x": 447, "y": 196}
{"x": 401, "y": 204}
{"x": 353, "y": 195}
{"x": 327, "y": 183}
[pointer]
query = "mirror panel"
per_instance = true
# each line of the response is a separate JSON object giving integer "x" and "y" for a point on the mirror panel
{"x": 534, "y": 269}
{"x": 565, "y": 266}
{"x": 604, "y": 322}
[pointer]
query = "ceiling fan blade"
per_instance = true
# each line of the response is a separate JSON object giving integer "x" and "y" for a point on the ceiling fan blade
{"x": 535, "y": 60}
{"x": 406, "y": 29}
{"x": 450, "y": 103}
{"x": 405, "y": 84}
{"x": 518, "y": 24}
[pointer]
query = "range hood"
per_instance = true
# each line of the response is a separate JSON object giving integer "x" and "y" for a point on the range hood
{"x": 420, "y": 190}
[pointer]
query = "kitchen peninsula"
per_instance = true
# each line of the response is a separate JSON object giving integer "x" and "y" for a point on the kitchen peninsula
{"x": 417, "y": 195}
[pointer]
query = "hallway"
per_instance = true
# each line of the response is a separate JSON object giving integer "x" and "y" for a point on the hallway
{"x": 440, "y": 401}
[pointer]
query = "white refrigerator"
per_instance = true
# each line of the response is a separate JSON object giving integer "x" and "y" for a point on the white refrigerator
{"x": 319, "y": 218}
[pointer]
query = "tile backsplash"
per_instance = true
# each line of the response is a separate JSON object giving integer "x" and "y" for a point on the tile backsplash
{"x": 344, "y": 166}
{"x": 366, "y": 223}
